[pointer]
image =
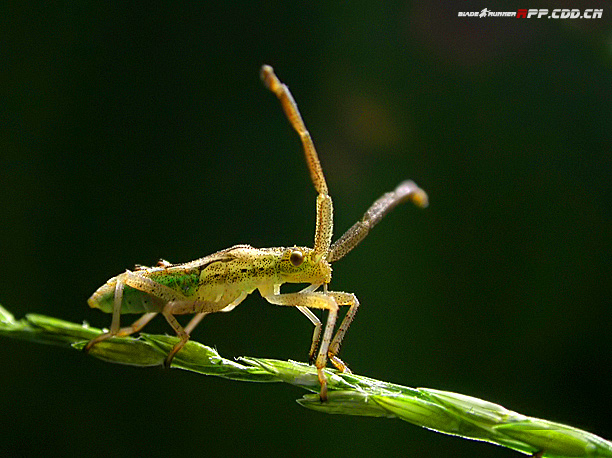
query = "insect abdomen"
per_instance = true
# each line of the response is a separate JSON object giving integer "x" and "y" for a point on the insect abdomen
{"x": 134, "y": 301}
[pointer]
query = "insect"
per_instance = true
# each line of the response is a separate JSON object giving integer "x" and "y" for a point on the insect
{"x": 221, "y": 281}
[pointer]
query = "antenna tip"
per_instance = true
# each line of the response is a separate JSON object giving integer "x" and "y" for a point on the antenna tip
{"x": 266, "y": 74}
{"x": 420, "y": 198}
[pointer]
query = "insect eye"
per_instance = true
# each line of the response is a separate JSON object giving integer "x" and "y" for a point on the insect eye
{"x": 296, "y": 258}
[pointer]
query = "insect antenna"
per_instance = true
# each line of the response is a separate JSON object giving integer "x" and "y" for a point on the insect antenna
{"x": 407, "y": 190}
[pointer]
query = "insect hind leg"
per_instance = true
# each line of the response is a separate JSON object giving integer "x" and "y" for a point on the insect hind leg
{"x": 136, "y": 325}
{"x": 123, "y": 332}
{"x": 140, "y": 282}
{"x": 115, "y": 323}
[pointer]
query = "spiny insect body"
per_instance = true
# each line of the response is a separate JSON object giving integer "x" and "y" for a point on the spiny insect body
{"x": 221, "y": 281}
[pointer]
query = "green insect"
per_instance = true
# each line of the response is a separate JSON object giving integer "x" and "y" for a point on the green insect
{"x": 221, "y": 281}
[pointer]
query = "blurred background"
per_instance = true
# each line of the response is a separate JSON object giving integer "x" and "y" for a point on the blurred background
{"x": 131, "y": 132}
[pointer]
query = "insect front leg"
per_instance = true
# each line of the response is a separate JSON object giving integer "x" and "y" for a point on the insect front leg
{"x": 316, "y": 335}
{"x": 319, "y": 301}
{"x": 334, "y": 348}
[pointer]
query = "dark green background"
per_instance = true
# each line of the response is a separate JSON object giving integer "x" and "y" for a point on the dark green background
{"x": 130, "y": 133}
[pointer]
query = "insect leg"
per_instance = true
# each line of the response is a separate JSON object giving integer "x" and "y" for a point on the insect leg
{"x": 141, "y": 283}
{"x": 405, "y": 191}
{"x": 165, "y": 293}
{"x": 180, "y": 332}
{"x": 200, "y": 308}
{"x": 317, "y": 331}
{"x": 194, "y": 322}
{"x": 319, "y": 301}
{"x": 342, "y": 299}
{"x": 115, "y": 323}
{"x": 137, "y": 325}
{"x": 118, "y": 299}
{"x": 311, "y": 316}
{"x": 316, "y": 335}
{"x": 324, "y": 227}
{"x": 146, "y": 285}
